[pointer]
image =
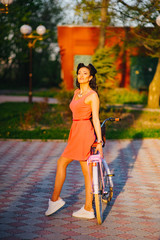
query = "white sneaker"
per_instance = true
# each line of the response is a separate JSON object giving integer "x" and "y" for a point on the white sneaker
{"x": 54, "y": 206}
{"x": 82, "y": 213}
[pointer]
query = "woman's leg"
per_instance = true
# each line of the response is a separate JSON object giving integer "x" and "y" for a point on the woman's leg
{"x": 60, "y": 177}
{"x": 88, "y": 189}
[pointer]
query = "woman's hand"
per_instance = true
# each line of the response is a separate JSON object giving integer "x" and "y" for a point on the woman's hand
{"x": 99, "y": 149}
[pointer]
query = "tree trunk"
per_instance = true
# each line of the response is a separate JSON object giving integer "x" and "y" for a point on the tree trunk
{"x": 124, "y": 58}
{"x": 154, "y": 89}
{"x": 104, "y": 23}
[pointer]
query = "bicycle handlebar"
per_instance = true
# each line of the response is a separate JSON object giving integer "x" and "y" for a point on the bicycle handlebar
{"x": 111, "y": 119}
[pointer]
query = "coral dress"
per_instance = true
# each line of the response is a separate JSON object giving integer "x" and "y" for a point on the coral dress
{"x": 81, "y": 135}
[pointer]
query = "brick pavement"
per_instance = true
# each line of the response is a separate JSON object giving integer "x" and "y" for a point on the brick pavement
{"x": 27, "y": 171}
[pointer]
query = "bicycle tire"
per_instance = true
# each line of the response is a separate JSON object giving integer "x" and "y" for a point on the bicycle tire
{"x": 98, "y": 207}
{"x": 106, "y": 198}
{"x": 98, "y": 199}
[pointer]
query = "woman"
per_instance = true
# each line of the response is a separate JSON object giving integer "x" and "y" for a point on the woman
{"x": 84, "y": 105}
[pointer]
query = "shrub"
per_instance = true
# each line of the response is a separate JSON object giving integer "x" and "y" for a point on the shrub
{"x": 64, "y": 97}
{"x": 124, "y": 96}
{"x": 104, "y": 62}
{"x": 34, "y": 115}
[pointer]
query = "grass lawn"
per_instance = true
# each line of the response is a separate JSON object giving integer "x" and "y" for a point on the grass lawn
{"x": 52, "y": 92}
{"x": 43, "y": 121}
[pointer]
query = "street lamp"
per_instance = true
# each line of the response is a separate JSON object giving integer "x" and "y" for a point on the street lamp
{"x": 158, "y": 20}
{"x": 5, "y": 3}
{"x": 26, "y": 31}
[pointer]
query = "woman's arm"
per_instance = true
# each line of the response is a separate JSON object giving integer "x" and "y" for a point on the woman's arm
{"x": 94, "y": 101}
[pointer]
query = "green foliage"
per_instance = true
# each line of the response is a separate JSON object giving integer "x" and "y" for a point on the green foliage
{"x": 46, "y": 73}
{"x": 89, "y": 11}
{"x": 44, "y": 134}
{"x": 104, "y": 62}
{"x": 50, "y": 93}
{"x": 65, "y": 96}
{"x": 13, "y": 48}
{"x": 119, "y": 96}
{"x": 42, "y": 92}
{"x": 123, "y": 96}
{"x": 53, "y": 123}
{"x": 143, "y": 14}
{"x": 33, "y": 121}
{"x": 146, "y": 35}
{"x": 133, "y": 134}
{"x": 34, "y": 115}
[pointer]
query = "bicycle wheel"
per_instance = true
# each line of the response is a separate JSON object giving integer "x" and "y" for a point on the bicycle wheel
{"x": 97, "y": 193}
{"x": 108, "y": 188}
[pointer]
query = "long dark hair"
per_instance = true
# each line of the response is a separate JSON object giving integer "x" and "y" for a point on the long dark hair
{"x": 93, "y": 71}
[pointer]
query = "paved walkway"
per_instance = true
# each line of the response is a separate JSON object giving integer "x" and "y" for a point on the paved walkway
{"x": 5, "y": 98}
{"x": 27, "y": 171}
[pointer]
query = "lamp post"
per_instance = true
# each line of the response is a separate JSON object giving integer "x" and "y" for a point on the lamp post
{"x": 5, "y": 3}
{"x": 158, "y": 20}
{"x": 26, "y": 31}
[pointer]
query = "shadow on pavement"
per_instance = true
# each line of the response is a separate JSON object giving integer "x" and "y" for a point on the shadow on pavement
{"x": 122, "y": 166}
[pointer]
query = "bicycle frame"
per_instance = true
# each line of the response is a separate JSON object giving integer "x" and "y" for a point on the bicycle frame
{"x": 95, "y": 160}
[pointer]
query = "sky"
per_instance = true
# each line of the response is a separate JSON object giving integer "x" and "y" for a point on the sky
{"x": 70, "y": 17}
{"x": 69, "y": 12}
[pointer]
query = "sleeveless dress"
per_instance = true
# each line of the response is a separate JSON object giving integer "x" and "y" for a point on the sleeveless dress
{"x": 81, "y": 136}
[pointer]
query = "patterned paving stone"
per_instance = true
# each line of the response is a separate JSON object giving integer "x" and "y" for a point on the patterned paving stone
{"x": 26, "y": 235}
{"x": 98, "y": 235}
{"x": 82, "y": 237}
{"x": 84, "y": 230}
{"x": 70, "y": 233}
{"x": 27, "y": 173}
{"x": 127, "y": 236}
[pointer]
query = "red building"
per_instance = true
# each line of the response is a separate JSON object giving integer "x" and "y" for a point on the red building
{"x": 78, "y": 43}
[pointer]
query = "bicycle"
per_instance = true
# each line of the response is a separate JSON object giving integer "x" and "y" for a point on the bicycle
{"x": 102, "y": 184}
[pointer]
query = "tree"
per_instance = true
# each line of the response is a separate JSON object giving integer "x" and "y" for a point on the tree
{"x": 140, "y": 15}
{"x": 99, "y": 13}
{"x": 143, "y": 14}
{"x": 96, "y": 13}
{"x": 103, "y": 23}
{"x": 14, "y": 50}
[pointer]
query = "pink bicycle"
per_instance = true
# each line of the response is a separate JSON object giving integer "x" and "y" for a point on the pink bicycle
{"x": 102, "y": 184}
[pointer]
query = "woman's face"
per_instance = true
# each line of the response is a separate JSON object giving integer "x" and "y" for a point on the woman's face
{"x": 84, "y": 75}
